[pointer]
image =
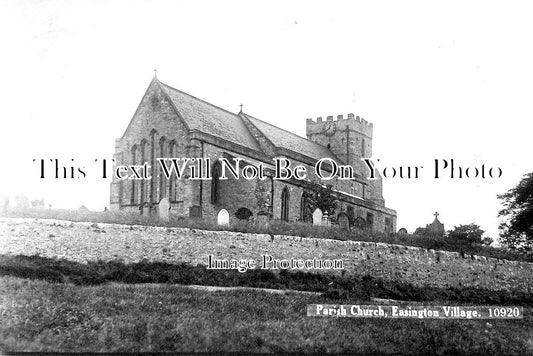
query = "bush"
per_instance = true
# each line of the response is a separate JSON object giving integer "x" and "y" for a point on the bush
{"x": 468, "y": 234}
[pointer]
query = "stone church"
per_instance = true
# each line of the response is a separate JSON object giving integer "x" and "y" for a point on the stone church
{"x": 170, "y": 123}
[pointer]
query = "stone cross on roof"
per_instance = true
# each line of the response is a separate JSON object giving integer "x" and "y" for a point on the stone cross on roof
{"x": 436, "y": 215}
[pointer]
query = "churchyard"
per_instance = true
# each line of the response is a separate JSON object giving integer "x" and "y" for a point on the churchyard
{"x": 88, "y": 281}
{"x": 274, "y": 227}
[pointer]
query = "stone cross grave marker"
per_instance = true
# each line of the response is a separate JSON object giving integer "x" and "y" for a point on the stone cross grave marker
{"x": 223, "y": 217}
{"x": 317, "y": 217}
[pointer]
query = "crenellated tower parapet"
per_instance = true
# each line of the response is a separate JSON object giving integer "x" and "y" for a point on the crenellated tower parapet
{"x": 355, "y": 123}
{"x": 349, "y": 138}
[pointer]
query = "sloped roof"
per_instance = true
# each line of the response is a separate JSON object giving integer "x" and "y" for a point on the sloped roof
{"x": 210, "y": 119}
{"x": 290, "y": 141}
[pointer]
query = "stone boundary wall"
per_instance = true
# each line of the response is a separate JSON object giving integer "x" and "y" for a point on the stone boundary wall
{"x": 79, "y": 241}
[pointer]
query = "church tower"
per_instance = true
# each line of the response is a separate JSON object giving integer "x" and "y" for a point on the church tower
{"x": 350, "y": 139}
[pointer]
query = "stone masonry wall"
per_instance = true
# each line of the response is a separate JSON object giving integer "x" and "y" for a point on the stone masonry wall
{"x": 87, "y": 241}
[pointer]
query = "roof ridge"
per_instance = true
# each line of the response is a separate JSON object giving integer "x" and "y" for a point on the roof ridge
{"x": 292, "y": 133}
{"x": 280, "y": 128}
{"x": 314, "y": 145}
{"x": 248, "y": 121}
{"x": 202, "y": 100}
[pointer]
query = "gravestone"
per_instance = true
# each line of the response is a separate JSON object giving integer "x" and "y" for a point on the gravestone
{"x": 317, "y": 217}
{"x": 195, "y": 212}
{"x": 325, "y": 220}
{"x": 344, "y": 221}
{"x": 146, "y": 209}
{"x": 223, "y": 218}
{"x": 164, "y": 209}
{"x": 5, "y": 203}
{"x": 360, "y": 223}
{"x": 21, "y": 202}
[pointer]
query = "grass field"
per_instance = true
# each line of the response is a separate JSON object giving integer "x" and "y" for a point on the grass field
{"x": 361, "y": 287}
{"x": 67, "y": 306}
{"x": 43, "y": 316}
{"x": 56, "y": 305}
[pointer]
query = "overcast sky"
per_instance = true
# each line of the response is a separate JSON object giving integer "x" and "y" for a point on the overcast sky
{"x": 449, "y": 80}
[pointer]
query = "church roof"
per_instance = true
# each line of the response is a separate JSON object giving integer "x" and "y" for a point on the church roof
{"x": 212, "y": 120}
{"x": 290, "y": 141}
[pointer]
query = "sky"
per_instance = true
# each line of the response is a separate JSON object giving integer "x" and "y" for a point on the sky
{"x": 448, "y": 80}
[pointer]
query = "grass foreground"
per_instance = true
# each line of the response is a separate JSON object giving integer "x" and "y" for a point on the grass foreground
{"x": 65, "y": 306}
{"x": 363, "y": 287}
{"x": 43, "y": 316}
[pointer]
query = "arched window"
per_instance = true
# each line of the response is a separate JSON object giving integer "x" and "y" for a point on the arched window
{"x": 162, "y": 179}
{"x": 215, "y": 182}
{"x": 305, "y": 208}
{"x": 153, "y": 182}
{"x": 363, "y": 148}
{"x": 144, "y": 143}
{"x": 285, "y": 204}
{"x": 134, "y": 158}
{"x": 172, "y": 180}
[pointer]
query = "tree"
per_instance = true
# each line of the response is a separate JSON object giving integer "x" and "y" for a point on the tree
{"x": 487, "y": 240}
{"x": 469, "y": 234}
{"x": 517, "y": 230}
{"x": 324, "y": 199}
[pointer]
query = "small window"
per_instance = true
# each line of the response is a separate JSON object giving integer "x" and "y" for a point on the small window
{"x": 370, "y": 220}
{"x": 388, "y": 225}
